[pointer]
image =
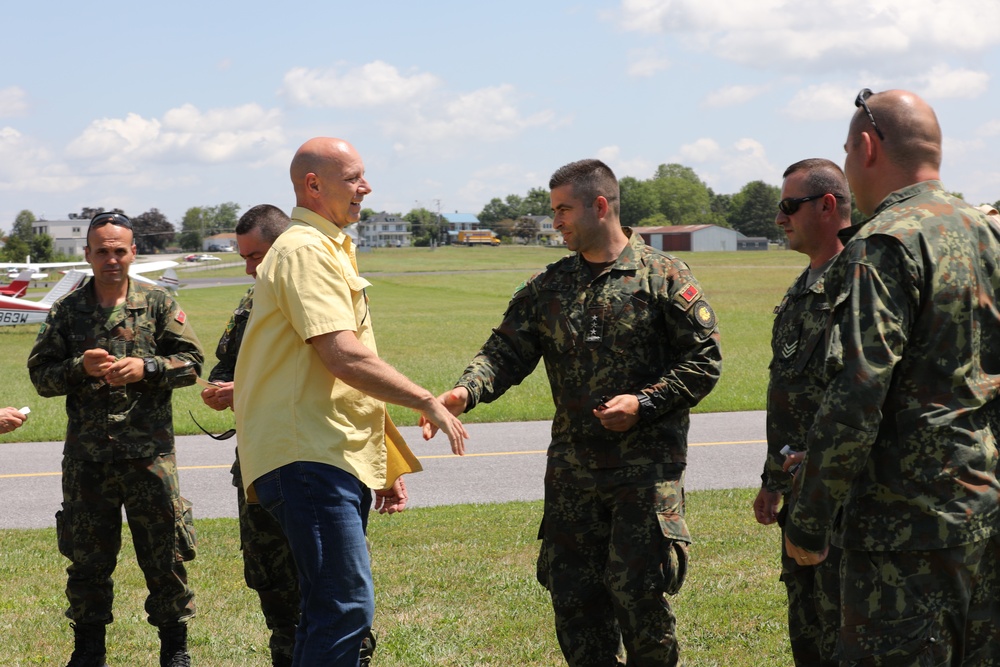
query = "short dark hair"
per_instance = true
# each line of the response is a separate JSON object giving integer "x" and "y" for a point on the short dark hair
{"x": 590, "y": 179}
{"x": 823, "y": 176}
{"x": 270, "y": 220}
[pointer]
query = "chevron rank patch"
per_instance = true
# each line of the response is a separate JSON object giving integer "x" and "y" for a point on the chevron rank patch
{"x": 704, "y": 315}
{"x": 788, "y": 349}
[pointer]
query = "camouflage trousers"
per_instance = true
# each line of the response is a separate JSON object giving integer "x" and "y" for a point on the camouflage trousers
{"x": 269, "y": 569}
{"x": 939, "y": 607}
{"x": 89, "y": 527}
{"x": 813, "y": 604}
{"x": 614, "y": 545}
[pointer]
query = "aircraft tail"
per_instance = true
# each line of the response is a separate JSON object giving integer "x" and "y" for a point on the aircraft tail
{"x": 19, "y": 286}
{"x": 169, "y": 281}
{"x": 67, "y": 284}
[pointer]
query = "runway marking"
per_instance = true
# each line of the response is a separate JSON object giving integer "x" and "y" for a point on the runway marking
{"x": 422, "y": 458}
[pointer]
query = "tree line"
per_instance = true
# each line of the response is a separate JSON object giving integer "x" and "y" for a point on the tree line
{"x": 674, "y": 195}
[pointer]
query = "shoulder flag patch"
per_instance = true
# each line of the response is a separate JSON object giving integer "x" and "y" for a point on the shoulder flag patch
{"x": 180, "y": 317}
{"x": 689, "y": 293}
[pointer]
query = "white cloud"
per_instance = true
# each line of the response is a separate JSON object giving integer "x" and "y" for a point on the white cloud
{"x": 819, "y": 33}
{"x": 185, "y": 134}
{"x": 945, "y": 82}
{"x": 13, "y": 102}
{"x": 990, "y": 129}
{"x": 26, "y": 166}
{"x": 635, "y": 167}
{"x": 371, "y": 85}
{"x": 727, "y": 169}
{"x": 733, "y": 95}
{"x": 643, "y": 63}
{"x": 487, "y": 114}
{"x": 822, "y": 102}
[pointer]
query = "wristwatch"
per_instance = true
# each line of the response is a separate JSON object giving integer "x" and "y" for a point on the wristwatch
{"x": 150, "y": 367}
{"x": 646, "y": 408}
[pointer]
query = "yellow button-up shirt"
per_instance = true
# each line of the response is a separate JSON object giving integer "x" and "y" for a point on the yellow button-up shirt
{"x": 288, "y": 406}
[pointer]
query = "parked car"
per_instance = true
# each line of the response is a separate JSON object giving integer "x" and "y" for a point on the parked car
{"x": 207, "y": 258}
{"x": 191, "y": 258}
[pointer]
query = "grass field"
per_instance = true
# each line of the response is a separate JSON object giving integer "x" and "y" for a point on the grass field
{"x": 433, "y": 309}
{"x": 455, "y": 585}
{"x": 454, "y": 588}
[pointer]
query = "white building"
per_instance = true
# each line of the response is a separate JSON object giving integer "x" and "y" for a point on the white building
{"x": 384, "y": 230}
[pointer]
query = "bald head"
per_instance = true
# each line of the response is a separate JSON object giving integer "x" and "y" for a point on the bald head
{"x": 907, "y": 152}
{"x": 911, "y": 129}
{"x": 328, "y": 177}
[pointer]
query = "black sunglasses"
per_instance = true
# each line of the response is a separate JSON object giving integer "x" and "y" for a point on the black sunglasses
{"x": 861, "y": 101}
{"x": 109, "y": 218}
{"x": 791, "y": 205}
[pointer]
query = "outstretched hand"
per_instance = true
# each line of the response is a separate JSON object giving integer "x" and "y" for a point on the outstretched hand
{"x": 393, "y": 499}
{"x": 454, "y": 400}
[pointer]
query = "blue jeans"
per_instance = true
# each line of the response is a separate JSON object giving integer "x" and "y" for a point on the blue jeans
{"x": 323, "y": 511}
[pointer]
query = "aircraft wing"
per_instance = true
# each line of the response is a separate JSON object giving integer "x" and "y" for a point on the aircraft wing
{"x": 22, "y": 311}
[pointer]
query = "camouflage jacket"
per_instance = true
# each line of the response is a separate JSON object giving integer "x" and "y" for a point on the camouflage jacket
{"x": 900, "y": 437}
{"x": 229, "y": 345}
{"x": 796, "y": 381}
{"x": 111, "y": 423}
{"x": 643, "y": 325}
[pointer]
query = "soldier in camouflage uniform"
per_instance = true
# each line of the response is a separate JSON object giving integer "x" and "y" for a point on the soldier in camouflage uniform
{"x": 815, "y": 205}
{"x": 268, "y": 565}
{"x": 116, "y": 349}
{"x": 630, "y": 345}
{"x": 900, "y": 445}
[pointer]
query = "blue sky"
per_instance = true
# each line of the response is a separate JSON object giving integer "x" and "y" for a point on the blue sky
{"x": 136, "y": 106}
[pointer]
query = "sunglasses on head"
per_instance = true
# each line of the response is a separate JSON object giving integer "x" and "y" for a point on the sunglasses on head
{"x": 790, "y": 205}
{"x": 109, "y": 218}
{"x": 861, "y": 101}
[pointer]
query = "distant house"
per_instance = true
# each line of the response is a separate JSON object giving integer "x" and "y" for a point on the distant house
{"x": 753, "y": 243}
{"x": 690, "y": 238}
{"x": 69, "y": 237}
{"x": 458, "y": 222}
{"x": 546, "y": 234}
{"x": 384, "y": 230}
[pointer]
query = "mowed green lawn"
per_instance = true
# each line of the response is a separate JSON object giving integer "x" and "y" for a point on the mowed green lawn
{"x": 454, "y": 585}
{"x": 433, "y": 309}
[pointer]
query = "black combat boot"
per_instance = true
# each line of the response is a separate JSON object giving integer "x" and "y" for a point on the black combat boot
{"x": 88, "y": 649}
{"x": 367, "y": 649}
{"x": 173, "y": 646}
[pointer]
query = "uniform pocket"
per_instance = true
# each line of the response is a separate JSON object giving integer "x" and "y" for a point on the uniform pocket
{"x": 185, "y": 538}
{"x": 64, "y": 536}
{"x": 906, "y": 642}
{"x": 675, "y": 551}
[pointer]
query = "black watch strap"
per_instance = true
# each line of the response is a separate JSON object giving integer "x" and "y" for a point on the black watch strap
{"x": 646, "y": 408}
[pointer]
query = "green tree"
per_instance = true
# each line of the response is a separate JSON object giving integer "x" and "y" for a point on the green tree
{"x": 153, "y": 232}
{"x": 496, "y": 210}
{"x": 536, "y": 202}
{"x": 23, "y": 242}
{"x": 754, "y": 208}
{"x": 655, "y": 220}
{"x": 526, "y": 229}
{"x": 22, "y": 227}
{"x": 425, "y": 226}
{"x": 203, "y": 221}
{"x": 683, "y": 197}
{"x": 638, "y": 200}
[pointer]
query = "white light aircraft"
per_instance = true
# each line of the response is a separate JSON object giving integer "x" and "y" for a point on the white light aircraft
{"x": 22, "y": 311}
{"x": 38, "y": 268}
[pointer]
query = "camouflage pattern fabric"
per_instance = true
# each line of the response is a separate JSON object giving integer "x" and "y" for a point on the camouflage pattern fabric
{"x": 899, "y": 438}
{"x": 641, "y": 326}
{"x": 119, "y": 448}
{"x": 913, "y": 607}
{"x": 609, "y": 558}
{"x": 614, "y": 545}
{"x": 268, "y": 566}
{"x": 900, "y": 446}
{"x": 795, "y": 389}
{"x": 113, "y": 423}
{"x": 89, "y": 526}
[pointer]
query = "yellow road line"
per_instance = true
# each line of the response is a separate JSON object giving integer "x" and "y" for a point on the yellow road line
{"x": 423, "y": 458}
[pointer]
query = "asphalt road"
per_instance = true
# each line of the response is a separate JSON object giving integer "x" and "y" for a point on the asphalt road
{"x": 503, "y": 462}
